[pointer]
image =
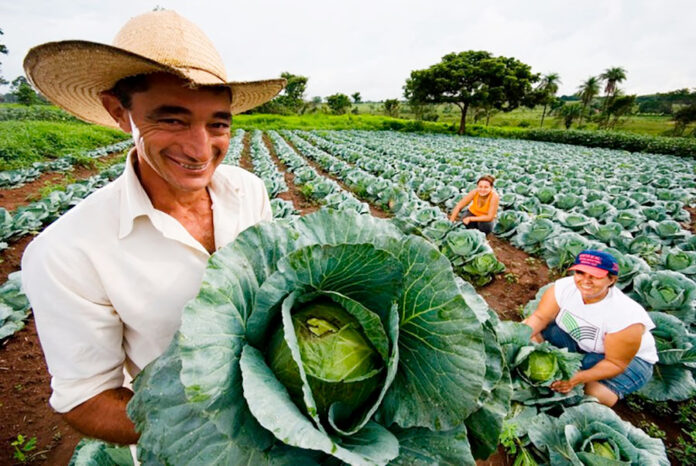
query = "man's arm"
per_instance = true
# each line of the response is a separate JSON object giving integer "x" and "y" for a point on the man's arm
{"x": 104, "y": 417}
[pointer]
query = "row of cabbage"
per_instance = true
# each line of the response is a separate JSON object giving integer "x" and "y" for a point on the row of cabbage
{"x": 10, "y": 179}
{"x": 662, "y": 283}
{"x": 468, "y": 251}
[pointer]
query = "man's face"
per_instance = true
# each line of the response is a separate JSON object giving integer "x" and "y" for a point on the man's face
{"x": 181, "y": 134}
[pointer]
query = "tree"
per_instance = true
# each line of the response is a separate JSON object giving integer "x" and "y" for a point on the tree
{"x": 291, "y": 98}
{"x": 357, "y": 98}
{"x": 619, "y": 106}
{"x": 338, "y": 103}
{"x": 611, "y": 78}
{"x": 23, "y": 92}
{"x": 568, "y": 112}
{"x": 472, "y": 78}
{"x": 391, "y": 107}
{"x": 3, "y": 50}
{"x": 547, "y": 89}
{"x": 587, "y": 91}
{"x": 683, "y": 117}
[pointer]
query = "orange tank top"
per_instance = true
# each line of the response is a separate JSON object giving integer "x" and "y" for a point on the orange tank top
{"x": 478, "y": 210}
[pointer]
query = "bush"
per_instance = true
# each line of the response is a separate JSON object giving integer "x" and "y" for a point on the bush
{"x": 25, "y": 142}
{"x": 684, "y": 147}
{"x": 34, "y": 112}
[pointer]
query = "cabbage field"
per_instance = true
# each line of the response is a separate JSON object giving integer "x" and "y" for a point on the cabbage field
{"x": 452, "y": 382}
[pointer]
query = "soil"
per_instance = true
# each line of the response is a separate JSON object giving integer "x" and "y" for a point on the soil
{"x": 25, "y": 383}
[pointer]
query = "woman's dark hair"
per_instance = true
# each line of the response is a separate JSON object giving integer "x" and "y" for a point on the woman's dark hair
{"x": 489, "y": 178}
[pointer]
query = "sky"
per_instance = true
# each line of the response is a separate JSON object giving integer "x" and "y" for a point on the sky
{"x": 372, "y": 46}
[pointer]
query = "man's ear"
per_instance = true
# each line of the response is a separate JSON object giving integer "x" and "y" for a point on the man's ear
{"x": 117, "y": 111}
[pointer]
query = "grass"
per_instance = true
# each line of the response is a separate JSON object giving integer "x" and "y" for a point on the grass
{"x": 650, "y": 125}
{"x": 25, "y": 142}
{"x": 336, "y": 122}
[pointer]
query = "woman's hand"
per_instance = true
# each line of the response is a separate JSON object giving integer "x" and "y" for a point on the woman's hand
{"x": 466, "y": 220}
{"x": 564, "y": 386}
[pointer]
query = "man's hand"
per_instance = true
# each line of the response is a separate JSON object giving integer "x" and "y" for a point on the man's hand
{"x": 466, "y": 221}
{"x": 104, "y": 417}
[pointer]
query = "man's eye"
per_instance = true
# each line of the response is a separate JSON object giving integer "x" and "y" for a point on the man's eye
{"x": 171, "y": 121}
{"x": 220, "y": 125}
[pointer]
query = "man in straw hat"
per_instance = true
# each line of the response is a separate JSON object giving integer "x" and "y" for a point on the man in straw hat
{"x": 108, "y": 280}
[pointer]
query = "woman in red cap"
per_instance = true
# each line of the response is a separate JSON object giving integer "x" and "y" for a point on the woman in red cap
{"x": 587, "y": 314}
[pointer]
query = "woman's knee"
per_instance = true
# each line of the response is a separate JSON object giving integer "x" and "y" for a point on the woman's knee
{"x": 603, "y": 393}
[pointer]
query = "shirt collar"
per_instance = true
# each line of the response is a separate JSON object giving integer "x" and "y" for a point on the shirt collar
{"x": 136, "y": 203}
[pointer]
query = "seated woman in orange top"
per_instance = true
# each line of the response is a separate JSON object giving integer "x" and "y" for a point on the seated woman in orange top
{"x": 484, "y": 206}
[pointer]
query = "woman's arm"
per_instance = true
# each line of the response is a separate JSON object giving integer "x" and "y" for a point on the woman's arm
{"x": 492, "y": 210}
{"x": 546, "y": 311}
{"x": 461, "y": 204}
{"x": 619, "y": 349}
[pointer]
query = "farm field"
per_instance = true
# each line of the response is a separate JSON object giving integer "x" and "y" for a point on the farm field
{"x": 555, "y": 201}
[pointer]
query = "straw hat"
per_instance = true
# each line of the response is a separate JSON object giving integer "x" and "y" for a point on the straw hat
{"x": 73, "y": 73}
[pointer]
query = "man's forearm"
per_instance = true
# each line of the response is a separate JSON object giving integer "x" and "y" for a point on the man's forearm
{"x": 104, "y": 417}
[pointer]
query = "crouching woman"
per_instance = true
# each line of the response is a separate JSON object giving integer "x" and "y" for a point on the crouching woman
{"x": 587, "y": 314}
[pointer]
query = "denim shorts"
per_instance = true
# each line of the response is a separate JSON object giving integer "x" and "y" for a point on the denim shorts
{"x": 631, "y": 379}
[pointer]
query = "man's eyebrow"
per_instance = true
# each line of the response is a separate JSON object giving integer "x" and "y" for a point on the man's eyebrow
{"x": 223, "y": 115}
{"x": 163, "y": 110}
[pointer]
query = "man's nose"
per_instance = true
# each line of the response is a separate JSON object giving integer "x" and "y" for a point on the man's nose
{"x": 196, "y": 142}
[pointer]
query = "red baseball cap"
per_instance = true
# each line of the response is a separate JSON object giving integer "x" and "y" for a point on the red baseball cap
{"x": 597, "y": 263}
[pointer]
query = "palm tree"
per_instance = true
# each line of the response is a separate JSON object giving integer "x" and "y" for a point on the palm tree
{"x": 548, "y": 87}
{"x": 587, "y": 91}
{"x": 611, "y": 77}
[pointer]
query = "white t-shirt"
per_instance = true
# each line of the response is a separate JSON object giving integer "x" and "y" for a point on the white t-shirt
{"x": 108, "y": 280}
{"x": 588, "y": 324}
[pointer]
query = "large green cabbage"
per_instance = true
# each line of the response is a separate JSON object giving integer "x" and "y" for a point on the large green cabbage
{"x": 440, "y": 390}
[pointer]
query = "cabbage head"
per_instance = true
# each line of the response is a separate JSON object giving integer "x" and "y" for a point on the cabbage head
{"x": 592, "y": 433}
{"x": 508, "y": 221}
{"x": 332, "y": 338}
{"x": 667, "y": 291}
{"x": 679, "y": 261}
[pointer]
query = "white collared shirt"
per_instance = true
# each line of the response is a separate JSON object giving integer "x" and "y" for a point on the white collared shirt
{"x": 109, "y": 279}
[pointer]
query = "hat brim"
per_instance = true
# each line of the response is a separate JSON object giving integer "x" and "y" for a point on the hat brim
{"x": 594, "y": 271}
{"x": 72, "y": 74}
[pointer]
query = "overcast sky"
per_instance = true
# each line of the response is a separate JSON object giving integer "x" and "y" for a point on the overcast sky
{"x": 372, "y": 46}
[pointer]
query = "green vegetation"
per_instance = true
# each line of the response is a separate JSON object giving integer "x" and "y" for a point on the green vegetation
{"x": 22, "y": 446}
{"x": 336, "y": 122}
{"x": 474, "y": 79}
{"x": 34, "y": 112}
{"x": 25, "y": 142}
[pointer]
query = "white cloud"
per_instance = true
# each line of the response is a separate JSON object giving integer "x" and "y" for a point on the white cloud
{"x": 372, "y": 46}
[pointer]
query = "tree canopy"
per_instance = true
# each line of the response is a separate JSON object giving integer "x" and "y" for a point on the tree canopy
{"x": 338, "y": 103}
{"x": 473, "y": 78}
{"x": 3, "y": 50}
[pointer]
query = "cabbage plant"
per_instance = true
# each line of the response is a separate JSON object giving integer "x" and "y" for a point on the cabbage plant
{"x": 676, "y": 349}
{"x": 332, "y": 338}
{"x": 679, "y": 261}
{"x": 667, "y": 291}
{"x": 594, "y": 434}
{"x": 535, "y": 366}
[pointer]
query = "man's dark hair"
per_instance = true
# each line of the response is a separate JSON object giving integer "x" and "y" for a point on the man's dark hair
{"x": 124, "y": 88}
